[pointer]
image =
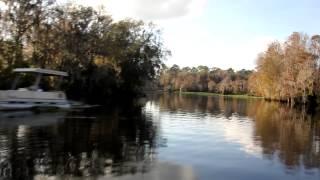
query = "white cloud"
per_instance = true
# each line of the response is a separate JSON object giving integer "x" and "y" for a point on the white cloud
{"x": 160, "y": 9}
{"x": 147, "y": 9}
{"x": 186, "y": 33}
{"x": 241, "y": 132}
{"x": 154, "y": 10}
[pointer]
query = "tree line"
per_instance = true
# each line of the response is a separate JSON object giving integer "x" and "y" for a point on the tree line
{"x": 204, "y": 79}
{"x": 104, "y": 58}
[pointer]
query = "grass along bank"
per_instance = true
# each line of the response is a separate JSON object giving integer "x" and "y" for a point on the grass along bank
{"x": 243, "y": 96}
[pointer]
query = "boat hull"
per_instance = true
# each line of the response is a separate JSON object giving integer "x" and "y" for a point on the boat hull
{"x": 22, "y": 106}
{"x": 17, "y": 100}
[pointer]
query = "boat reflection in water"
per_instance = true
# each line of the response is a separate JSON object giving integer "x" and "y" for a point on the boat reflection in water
{"x": 73, "y": 144}
{"x": 79, "y": 144}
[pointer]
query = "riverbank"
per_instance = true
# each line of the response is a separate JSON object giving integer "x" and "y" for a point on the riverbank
{"x": 242, "y": 96}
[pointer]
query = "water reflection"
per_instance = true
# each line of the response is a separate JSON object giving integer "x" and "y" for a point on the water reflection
{"x": 218, "y": 138}
{"x": 290, "y": 134}
{"x": 214, "y": 105}
{"x": 264, "y": 129}
{"x": 75, "y": 144}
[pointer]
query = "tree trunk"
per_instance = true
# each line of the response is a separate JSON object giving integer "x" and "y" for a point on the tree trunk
{"x": 292, "y": 102}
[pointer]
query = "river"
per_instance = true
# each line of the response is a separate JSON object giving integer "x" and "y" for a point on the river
{"x": 169, "y": 137}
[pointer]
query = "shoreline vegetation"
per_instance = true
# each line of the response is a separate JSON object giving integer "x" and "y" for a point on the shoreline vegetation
{"x": 241, "y": 96}
{"x": 286, "y": 71}
{"x": 107, "y": 60}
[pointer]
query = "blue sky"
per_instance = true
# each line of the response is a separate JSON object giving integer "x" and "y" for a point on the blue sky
{"x": 263, "y": 17}
{"x": 219, "y": 33}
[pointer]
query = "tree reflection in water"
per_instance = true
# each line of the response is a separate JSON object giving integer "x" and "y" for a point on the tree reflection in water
{"x": 289, "y": 134}
{"x": 95, "y": 144}
{"x": 77, "y": 144}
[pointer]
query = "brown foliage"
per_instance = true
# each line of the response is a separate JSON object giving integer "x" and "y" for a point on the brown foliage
{"x": 204, "y": 79}
{"x": 287, "y": 71}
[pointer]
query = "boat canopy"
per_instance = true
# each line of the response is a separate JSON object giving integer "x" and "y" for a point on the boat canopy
{"x": 41, "y": 71}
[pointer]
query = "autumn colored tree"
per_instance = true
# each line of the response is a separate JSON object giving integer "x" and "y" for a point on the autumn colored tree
{"x": 288, "y": 71}
{"x": 204, "y": 79}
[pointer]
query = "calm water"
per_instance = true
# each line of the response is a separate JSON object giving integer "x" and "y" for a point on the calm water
{"x": 191, "y": 136}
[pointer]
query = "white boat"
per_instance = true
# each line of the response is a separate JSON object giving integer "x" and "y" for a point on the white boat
{"x": 33, "y": 96}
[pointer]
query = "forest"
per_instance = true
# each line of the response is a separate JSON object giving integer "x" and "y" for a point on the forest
{"x": 109, "y": 59}
{"x": 203, "y": 79}
{"x": 287, "y": 71}
{"x": 104, "y": 58}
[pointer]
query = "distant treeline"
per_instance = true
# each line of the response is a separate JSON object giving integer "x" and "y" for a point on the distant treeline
{"x": 204, "y": 79}
{"x": 105, "y": 59}
{"x": 288, "y": 71}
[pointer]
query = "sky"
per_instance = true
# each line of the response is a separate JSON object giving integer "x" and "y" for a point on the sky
{"x": 218, "y": 33}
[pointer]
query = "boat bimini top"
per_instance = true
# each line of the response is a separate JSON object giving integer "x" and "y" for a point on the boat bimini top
{"x": 41, "y": 71}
